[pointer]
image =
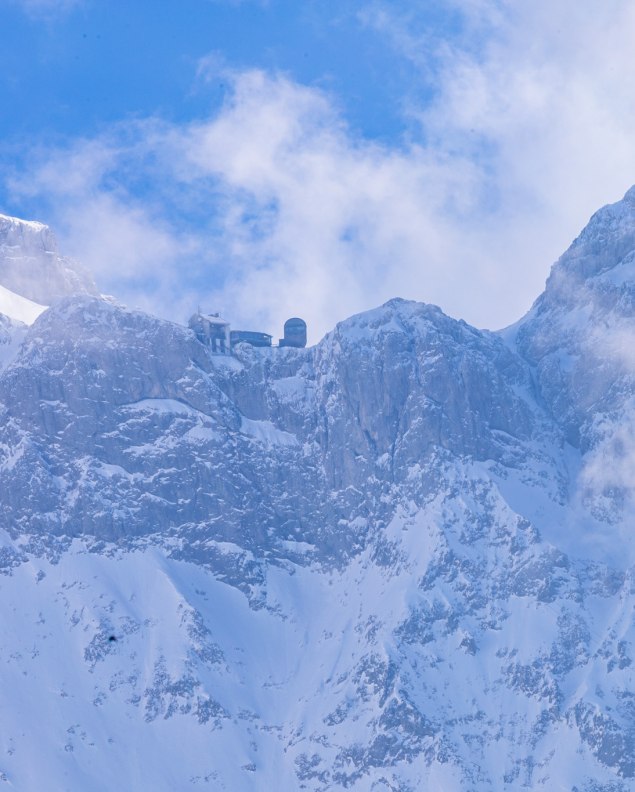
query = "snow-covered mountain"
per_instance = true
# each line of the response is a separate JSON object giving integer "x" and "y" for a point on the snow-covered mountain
{"x": 402, "y": 559}
{"x": 31, "y": 267}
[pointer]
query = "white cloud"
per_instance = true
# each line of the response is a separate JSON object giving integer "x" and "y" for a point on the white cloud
{"x": 608, "y": 472}
{"x": 128, "y": 243}
{"x": 301, "y": 218}
{"x": 538, "y": 94}
{"x": 529, "y": 132}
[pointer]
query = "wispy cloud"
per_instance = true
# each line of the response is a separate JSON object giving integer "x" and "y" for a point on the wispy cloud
{"x": 273, "y": 206}
{"x": 536, "y": 93}
{"x": 126, "y": 240}
{"x": 583, "y": 336}
{"x": 292, "y": 214}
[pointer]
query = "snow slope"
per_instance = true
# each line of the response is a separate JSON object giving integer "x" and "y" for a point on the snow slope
{"x": 19, "y": 308}
{"x": 399, "y": 560}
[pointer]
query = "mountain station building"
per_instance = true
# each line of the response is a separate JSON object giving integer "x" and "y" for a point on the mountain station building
{"x": 216, "y": 333}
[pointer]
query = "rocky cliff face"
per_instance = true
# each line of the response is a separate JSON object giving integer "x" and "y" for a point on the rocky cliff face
{"x": 108, "y": 406}
{"x": 31, "y": 266}
{"x": 578, "y": 332}
{"x": 398, "y": 560}
{"x": 579, "y": 340}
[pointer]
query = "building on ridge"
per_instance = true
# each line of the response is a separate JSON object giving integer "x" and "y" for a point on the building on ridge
{"x": 252, "y": 337}
{"x": 212, "y": 331}
{"x": 294, "y": 333}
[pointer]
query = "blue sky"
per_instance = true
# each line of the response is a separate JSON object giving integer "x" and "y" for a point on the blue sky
{"x": 72, "y": 71}
{"x": 316, "y": 158}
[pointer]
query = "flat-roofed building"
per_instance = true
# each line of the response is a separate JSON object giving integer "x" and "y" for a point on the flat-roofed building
{"x": 212, "y": 331}
{"x": 253, "y": 337}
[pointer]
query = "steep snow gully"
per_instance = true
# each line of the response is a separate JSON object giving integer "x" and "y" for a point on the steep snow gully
{"x": 402, "y": 559}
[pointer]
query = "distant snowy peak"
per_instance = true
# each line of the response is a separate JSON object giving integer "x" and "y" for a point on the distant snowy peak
{"x": 604, "y": 249}
{"x": 591, "y": 286}
{"x": 32, "y": 267}
{"x": 26, "y": 234}
{"x": 580, "y": 333}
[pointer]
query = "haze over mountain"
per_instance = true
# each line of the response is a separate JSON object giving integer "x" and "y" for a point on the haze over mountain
{"x": 401, "y": 559}
{"x": 31, "y": 265}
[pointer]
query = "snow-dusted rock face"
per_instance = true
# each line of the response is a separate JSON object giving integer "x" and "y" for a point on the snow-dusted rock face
{"x": 580, "y": 337}
{"x": 12, "y": 334}
{"x": 130, "y": 426}
{"x": 31, "y": 266}
{"x": 579, "y": 332}
{"x": 388, "y": 562}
